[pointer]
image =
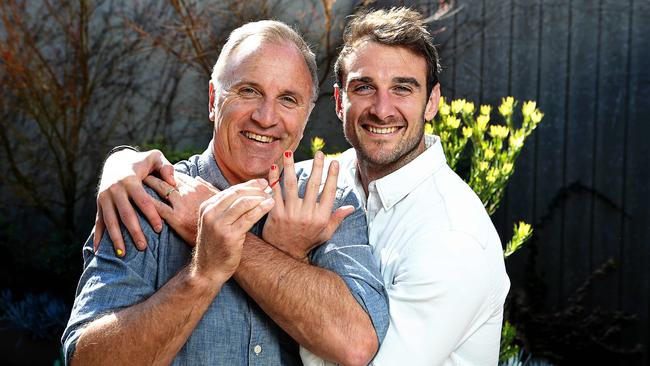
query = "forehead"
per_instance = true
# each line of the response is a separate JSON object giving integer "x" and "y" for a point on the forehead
{"x": 382, "y": 62}
{"x": 276, "y": 65}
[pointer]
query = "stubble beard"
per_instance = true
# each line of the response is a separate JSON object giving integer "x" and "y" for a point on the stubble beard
{"x": 387, "y": 159}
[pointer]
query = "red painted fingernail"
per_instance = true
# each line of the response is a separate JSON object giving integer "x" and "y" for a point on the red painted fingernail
{"x": 273, "y": 167}
{"x": 287, "y": 154}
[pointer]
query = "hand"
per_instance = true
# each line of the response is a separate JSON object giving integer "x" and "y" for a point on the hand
{"x": 185, "y": 200}
{"x": 296, "y": 225}
{"x": 122, "y": 180}
{"x": 225, "y": 218}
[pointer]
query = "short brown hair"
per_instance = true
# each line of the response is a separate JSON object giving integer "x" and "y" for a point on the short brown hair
{"x": 395, "y": 27}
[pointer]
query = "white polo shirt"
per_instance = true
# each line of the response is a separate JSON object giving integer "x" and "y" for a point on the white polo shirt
{"x": 441, "y": 261}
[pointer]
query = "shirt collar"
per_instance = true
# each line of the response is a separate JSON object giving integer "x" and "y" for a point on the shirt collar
{"x": 209, "y": 170}
{"x": 398, "y": 184}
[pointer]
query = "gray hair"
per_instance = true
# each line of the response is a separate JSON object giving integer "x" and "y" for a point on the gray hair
{"x": 268, "y": 31}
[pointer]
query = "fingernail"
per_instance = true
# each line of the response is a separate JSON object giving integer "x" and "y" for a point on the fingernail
{"x": 319, "y": 154}
{"x": 158, "y": 228}
{"x": 141, "y": 244}
{"x": 119, "y": 252}
{"x": 262, "y": 182}
{"x": 287, "y": 154}
{"x": 273, "y": 167}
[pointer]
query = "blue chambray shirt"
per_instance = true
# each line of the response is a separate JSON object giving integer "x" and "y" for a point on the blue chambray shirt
{"x": 233, "y": 328}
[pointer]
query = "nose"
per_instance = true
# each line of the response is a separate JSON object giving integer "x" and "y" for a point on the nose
{"x": 382, "y": 105}
{"x": 265, "y": 113}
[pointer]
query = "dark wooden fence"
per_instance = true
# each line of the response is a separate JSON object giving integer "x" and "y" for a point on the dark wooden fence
{"x": 582, "y": 179}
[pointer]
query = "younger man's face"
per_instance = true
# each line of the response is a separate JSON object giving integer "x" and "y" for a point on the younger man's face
{"x": 383, "y": 103}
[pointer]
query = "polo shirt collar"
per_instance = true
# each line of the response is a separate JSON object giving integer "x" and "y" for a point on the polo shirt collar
{"x": 209, "y": 170}
{"x": 395, "y": 186}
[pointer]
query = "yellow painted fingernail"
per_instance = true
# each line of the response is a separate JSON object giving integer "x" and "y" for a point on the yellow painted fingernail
{"x": 120, "y": 252}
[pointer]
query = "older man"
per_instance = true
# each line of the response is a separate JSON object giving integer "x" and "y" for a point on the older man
{"x": 171, "y": 304}
{"x": 440, "y": 256}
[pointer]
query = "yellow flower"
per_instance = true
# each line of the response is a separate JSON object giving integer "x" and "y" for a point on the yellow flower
{"x": 482, "y": 166}
{"x": 506, "y": 106}
{"x": 491, "y": 176}
{"x": 498, "y": 131}
{"x": 457, "y": 105}
{"x": 489, "y": 154}
{"x": 444, "y": 110}
{"x": 516, "y": 140}
{"x": 317, "y": 144}
{"x": 536, "y": 116}
{"x": 528, "y": 108}
{"x": 486, "y": 109}
{"x": 428, "y": 128}
{"x": 467, "y": 132}
{"x": 482, "y": 122}
{"x": 453, "y": 122}
{"x": 507, "y": 168}
{"x": 523, "y": 229}
{"x": 441, "y": 102}
{"x": 468, "y": 108}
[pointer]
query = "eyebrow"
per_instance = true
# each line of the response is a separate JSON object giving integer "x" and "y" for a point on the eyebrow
{"x": 397, "y": 80}
{"x": 406, "y": 80}
{"x": 292, "y": 93}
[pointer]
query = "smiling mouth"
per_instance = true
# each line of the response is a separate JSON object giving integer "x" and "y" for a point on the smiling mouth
{"x": 381, "y": 130}
{"x": 258, "y": 138}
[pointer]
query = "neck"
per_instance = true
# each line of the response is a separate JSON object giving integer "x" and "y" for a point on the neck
{"x": 369, "y": 171}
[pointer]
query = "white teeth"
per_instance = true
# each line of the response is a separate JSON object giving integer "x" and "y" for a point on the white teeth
{"x": 382, "y": 130}
{"x": 260, "y": 138}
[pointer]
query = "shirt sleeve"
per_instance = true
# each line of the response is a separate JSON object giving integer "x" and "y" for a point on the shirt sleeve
{"x": 436, "y": 300}
{"x": 109, "y": 283}
{"x": 349, "y": 255}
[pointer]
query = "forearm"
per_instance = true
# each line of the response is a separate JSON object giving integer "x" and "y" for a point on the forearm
{"x": 311, "y": 304}
{"x": 151, "y": 332}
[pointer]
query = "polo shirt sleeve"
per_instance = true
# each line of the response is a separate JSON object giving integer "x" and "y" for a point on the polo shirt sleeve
{"x": 349, "y": 255}
{"x": 435, "y": 300}
{"x": 110, "y": 283}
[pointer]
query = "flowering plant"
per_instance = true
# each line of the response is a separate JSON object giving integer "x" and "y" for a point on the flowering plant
{"x": 492, "y": 148}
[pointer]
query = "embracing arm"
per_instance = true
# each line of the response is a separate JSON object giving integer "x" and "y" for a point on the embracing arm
{"x": 312, "y": 304}
{"x": 151, "y": 332}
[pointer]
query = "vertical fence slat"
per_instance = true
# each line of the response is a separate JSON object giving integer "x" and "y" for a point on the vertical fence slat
{"x": 550, "y": 140}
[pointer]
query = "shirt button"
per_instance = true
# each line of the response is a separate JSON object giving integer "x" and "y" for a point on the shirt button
{"x": 257, "y": 349}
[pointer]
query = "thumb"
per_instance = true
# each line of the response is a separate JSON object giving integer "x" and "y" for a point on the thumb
{"x": 337, "y": 217}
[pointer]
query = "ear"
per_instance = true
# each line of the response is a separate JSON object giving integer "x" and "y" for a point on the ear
{"x": 432, "y": 104}
{"x": 337, "y": 99}
{"x": 211, "y": 110}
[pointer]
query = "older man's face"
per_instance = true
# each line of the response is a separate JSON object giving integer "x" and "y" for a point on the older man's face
{"x": 262, "y": 108}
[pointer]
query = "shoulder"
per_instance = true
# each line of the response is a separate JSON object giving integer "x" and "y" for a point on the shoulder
{"x": 458, "y": 205}
{"x": 190, "y": 166}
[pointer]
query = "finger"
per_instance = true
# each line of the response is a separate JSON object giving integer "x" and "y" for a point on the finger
{"x": 290, "y": 185}
{"x": 315, "y": 178}
{"x": 337, "y": 217}
{"x": 129, "y": 217}
{"x": 99, "y": 230}
{"x": 113, "y": 228}
{"x": 164, "y": 189}
{"x": 249, "y": 218}
{"x": 145, "y": 203}
{"x": 240, "y": 206}
{"x": 274, "y": 180}
{"x": 164, "y": 211}
{"x": 164, "y": 168}
{"x": 225, "y": 199}
{"x": 329, "y": 190}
